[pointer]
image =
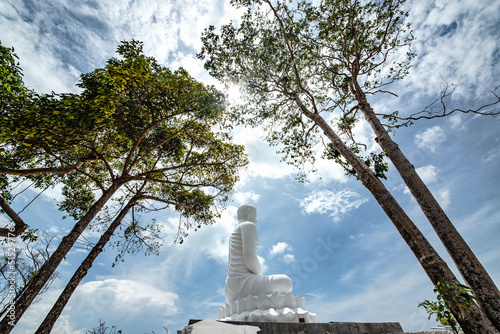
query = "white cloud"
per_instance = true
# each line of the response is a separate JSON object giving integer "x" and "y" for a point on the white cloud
{"x": 457, "y": 122}
{"x": 454, "y": 42}
{"x": 127, "y": 297}
{"x": 53, "y": 193}
{"x": 280, "y": 248}
{"x": 243, "y": 197}
{"x": 113, "y": 300}
{"x": 380, "y": 300}
{"x": 35, "y": 314}
{"x": 431, "y": 138}
{"x": 444, "y": 198}
{"x": 64, "y": 326}
{"x": 363, "y": 133}
{"x": 327, "y": 170}
{"x": 335, "y": 203}
{"x": 264, "y": 161}
{"x": 289, "y": 258}
{"x": 492, "y": 154}
{"x": 346, "y": 277}
{"x": 213, "y": 240}
{"x": 428, "y": 173}
{"x": 263, "y": 264}
{"x": 54, "y": 51}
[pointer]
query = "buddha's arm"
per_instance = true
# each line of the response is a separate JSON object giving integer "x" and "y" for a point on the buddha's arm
{"x": 249, "y": 239}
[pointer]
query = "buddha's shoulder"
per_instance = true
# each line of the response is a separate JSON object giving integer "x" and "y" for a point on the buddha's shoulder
{"x": 246, "y": 226}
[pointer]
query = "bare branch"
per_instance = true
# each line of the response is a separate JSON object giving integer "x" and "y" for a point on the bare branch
{"x": 381, "y": 91}
{"x": 438, "y": 108}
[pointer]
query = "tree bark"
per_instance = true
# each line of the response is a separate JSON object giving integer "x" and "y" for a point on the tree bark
{"x": 55, "y": 312}
{"x": 20, "y": 225}
{"x": 472, "y": 321}
{"x": 471, "y": 269}
{"x": 48, "y": 268}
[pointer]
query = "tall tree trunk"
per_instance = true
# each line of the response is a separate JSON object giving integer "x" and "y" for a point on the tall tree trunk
{"x": 48, "y": 268}
{"x": 55, "y": 312}
{"x": 471, "y": 321}
{"x": 473, "y": 272}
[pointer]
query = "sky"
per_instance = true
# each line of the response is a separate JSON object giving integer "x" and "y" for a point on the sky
{"x": 328, "y": 234}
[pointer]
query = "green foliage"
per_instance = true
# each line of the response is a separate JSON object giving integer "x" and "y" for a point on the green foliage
{"x": 78, "y": 196}
{"x": 147, "y": 135}
{"x": 42, "y": 131}
{"x": 11, "y": 81}
{"x": 160, "y": 134}
{"x": 40, "y": 134}
{"x": 294, "y": 59}
{"x": 448, "y": 293}
{"x": 5, "y": 188}
{"x": 374, "y": 160}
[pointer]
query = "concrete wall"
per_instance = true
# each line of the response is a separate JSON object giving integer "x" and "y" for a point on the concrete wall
{"x": 318, "y": 328}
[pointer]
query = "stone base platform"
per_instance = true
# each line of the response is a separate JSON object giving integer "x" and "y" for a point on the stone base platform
{"x": 276, "y": 307}
{"x": 236, "y": 327}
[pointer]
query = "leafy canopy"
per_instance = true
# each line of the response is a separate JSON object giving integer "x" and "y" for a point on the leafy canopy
{"x": 135, "y": 124}
{"x": 290, "y": 57}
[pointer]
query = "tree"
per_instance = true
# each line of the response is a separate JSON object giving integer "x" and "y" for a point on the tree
{"x": 18, "y": 225}
{"x": 130, "y": 232}
{"x": 57, "y": 308}
{"x": 12, "y": 93}
{"x": 152, "y": 126}
{"x": 12, "y": 89}
{"x": 458, "y": 294}
{"x": 40, "y": 133}
{"x": 103, "y": 329}
{"x": 21, "y": 264}
{"x": 296, "y": 94}
{"x": 361, "y": 39}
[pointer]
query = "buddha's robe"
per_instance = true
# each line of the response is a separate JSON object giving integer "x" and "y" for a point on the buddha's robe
{"x": 244, "y": 273}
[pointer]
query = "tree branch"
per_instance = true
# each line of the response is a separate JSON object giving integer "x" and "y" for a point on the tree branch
{"x": 164, "y": 201}
{"x": 431, "y": 111}
{"x": 292, "y": 57}
{"x": 161, "y": 170}
{"x": 49, "y": 170}
{"x": 20, "y": 225}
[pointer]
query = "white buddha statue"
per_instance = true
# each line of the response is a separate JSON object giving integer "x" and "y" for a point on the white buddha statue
{"x": 251, "y": 296}
{"x": 244, "y": 273}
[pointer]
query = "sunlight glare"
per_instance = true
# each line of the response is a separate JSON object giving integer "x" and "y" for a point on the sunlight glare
{"x": 234, "y": 95}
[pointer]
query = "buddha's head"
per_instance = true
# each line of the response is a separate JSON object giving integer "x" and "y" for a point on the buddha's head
{"x": 247, "y": 212}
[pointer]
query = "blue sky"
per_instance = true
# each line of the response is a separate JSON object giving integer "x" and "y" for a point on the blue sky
{"x": 329, "y": 235}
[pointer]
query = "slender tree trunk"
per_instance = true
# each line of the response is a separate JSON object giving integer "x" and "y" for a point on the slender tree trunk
{"x": 473, "y": 272}
{"x": 55, "y": 312}
{"x": 471, "y": 321}
{"x": 48, "y": 268}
